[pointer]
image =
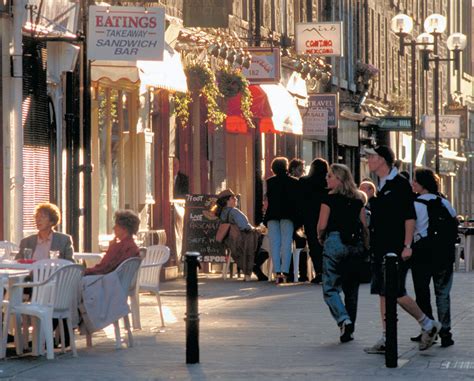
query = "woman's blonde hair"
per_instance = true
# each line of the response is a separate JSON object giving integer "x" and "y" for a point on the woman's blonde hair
{"x": 348, "y": 187}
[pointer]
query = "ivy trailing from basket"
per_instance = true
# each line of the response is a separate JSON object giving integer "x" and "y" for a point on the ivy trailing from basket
{"x": 201, "y": 79}
{"x": 181, "y": 107}
{"x": 232, "y": 82}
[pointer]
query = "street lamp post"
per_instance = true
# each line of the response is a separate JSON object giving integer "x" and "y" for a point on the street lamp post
{"x": 434, "y": 26}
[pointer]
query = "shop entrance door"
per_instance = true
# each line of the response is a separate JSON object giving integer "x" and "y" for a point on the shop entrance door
{"x": 240, "y": 170}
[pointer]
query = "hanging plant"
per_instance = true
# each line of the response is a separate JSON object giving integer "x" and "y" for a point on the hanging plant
{"x": 366, "y": 72}
{"x": 201, "y": 79}
{"x": 232, "y": 82}
{"x": 181, "y": 107}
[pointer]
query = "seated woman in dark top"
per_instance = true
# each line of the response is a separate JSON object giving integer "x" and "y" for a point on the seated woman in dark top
{"x": 243, "y": 248}
{"x": 122, "y": 247}
{"x": 342, "y": 230}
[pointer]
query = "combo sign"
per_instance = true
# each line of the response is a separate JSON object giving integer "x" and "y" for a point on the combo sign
{"x": 126, "y": 33}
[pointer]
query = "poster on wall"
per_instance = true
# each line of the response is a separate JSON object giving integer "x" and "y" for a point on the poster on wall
{"x": 264, "y": 67}
{"x": 319, "y": 38}
{"x": 126, "y": 33}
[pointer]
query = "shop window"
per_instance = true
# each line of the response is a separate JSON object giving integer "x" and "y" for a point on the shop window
{"x": 115, "y": 161}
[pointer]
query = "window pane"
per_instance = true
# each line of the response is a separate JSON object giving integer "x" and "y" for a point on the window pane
{"x": 102, "y": 125}
{"x": 115, "y": 151}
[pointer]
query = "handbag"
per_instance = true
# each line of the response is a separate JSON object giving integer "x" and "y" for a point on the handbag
{"x": 222, "y": 232}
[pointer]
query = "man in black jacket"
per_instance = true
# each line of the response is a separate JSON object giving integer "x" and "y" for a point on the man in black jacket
{"x": 392, "y": 227}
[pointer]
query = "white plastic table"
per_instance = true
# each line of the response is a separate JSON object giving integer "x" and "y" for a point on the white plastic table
{"x": 10, "y": 277}
{"x": 90, "y": 259}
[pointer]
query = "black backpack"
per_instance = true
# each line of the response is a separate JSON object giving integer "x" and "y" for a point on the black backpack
{"x": 442, "y": 226}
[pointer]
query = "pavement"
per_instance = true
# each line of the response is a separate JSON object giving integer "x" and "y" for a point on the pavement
{"x": 260, "y": 331}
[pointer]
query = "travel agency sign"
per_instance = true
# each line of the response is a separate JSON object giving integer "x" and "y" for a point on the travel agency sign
{"x": 126, "y": 33}
{"x": 319, "y": 38}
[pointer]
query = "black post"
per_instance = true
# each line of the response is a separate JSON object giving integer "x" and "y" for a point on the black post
{"x": 436, "y": 100}
{"x": 391, "y": 286}
{"x": 192, "y": 311}
{"x": 413, "y": 108}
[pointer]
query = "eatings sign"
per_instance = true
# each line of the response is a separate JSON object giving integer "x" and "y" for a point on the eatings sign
{"x": 319, "y": 38}
{"x": 126, "y": 33}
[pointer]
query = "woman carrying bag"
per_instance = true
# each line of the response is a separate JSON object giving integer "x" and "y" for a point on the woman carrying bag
{"x": 242, "y": 238}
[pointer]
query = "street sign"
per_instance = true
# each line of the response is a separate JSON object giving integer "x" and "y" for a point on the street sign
{"x": 395, "y": 123}
{"x": 449, "y": 126}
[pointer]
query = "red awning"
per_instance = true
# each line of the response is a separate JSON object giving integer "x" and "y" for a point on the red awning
{"x": 260, "y": 108}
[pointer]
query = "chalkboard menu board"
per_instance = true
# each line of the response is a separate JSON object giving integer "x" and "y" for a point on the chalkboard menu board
{"x": 200, "y": 227}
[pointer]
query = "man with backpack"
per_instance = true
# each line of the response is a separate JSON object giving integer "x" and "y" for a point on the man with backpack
{"x": 433, "y": 250}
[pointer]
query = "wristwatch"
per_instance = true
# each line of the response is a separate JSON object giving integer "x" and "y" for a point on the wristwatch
{"x": 407, "y": 246}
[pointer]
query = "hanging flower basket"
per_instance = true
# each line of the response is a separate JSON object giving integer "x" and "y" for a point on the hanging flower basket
{"x": 366, "y": 72}
{"x": 232, "y": 82}
{"x": 201, "y": 79}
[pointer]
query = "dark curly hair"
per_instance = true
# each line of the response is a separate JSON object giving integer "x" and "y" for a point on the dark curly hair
{"x": 128, "y": 220}
{"x": 280, "y": 165}
{"x": 427, "y": 179}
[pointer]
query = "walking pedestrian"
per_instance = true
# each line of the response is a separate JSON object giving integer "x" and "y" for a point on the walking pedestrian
{"x": 296, "y": 169}
{"x": 313, "y": 190}
{"x": 282, "y": 201}
{"x": 433, "y": 250}
{"x": 393, "y": 224}
{"x": 341, "y": 229}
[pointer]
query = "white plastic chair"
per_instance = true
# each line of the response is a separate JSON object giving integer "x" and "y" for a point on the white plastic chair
{"x": 127, "y": 273}
{"x": 8, "y": 247}
{"x": 52, "y": 298}
{"x": 149, "y": 280}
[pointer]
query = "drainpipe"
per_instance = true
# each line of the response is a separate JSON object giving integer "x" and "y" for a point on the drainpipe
{"x": 16, "y": 177}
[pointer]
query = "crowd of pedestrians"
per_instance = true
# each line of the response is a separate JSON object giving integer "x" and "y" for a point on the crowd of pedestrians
{"x": 347, "y": 231}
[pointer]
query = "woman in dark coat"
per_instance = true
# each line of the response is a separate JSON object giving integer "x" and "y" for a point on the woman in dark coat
{"x": 282, "y": 208}
{"x": 314, "y": 189}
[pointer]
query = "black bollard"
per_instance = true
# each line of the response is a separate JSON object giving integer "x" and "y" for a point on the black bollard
{"x": 391, "y": 287}
{"x": 192, "y": 310}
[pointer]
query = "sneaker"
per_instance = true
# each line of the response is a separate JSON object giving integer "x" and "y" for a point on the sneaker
{"x": 347, "y": 329}
{"x": 417, "y": 339}
{"x": 378, "y": 348}
{"x": 428, "y": 337}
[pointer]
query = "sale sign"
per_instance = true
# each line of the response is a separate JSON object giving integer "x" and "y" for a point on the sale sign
{"x": 126, "y": 33}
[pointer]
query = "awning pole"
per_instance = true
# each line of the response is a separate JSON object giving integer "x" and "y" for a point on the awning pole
{"x": 17, "y": 178}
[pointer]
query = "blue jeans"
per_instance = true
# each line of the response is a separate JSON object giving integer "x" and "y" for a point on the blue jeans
{"x": 340, "y": 267}
{"x": 280, "y": 235}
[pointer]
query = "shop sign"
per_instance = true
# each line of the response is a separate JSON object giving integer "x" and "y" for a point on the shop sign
{"x": 126, "y": 33}
{"x": 315, "y": 122}
{"x": 207, "y": 13}
{"x": 329, "y": 103}
{"x": 319, "y": 38}
{"x": 395, "y": 123}
{"x": 264, "y": 67}
{"x": 462, "y": 111}
{"x": 449, "y": 126}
